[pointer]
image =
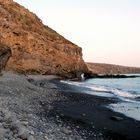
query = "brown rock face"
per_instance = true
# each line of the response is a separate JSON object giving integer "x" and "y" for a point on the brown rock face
{"x": 100, "y": 68}
{"x": 36, "y": 48}
{"x": 5, "y": 53}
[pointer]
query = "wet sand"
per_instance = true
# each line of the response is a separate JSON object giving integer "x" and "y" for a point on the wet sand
{"x": 90, "y": 113}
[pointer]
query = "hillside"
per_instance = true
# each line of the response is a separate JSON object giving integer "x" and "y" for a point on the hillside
{"x": 37, "y": 48}
{"x": 101, "y": 68}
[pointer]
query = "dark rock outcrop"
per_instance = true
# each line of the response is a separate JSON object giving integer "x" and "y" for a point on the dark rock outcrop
{"x": 36, "y": 48}
{"x": 91, "y": 75}
{"x": 5, "y": 53}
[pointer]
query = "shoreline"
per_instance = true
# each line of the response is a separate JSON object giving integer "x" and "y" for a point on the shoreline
{"x": 92, "y": 114}
{"x": 44, "y": 108}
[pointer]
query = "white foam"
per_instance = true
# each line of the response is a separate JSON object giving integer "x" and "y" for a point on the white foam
{"x": 99, "y": 88}
{"x": 127, "y": 108}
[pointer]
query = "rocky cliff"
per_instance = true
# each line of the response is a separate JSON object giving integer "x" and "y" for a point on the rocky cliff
{"x": 100, "y": 68}
{"x": 36, "y": 48}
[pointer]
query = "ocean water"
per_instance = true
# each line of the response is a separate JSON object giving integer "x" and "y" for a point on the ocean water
{"x": 126, "y": 90}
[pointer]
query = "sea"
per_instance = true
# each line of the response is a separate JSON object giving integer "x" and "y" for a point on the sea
{"x": 125, "y": 90}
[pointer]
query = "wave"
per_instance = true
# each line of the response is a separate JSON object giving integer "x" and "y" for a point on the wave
{"x": 92, "y": 88}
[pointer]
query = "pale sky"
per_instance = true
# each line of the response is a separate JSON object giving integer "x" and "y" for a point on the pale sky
{"x": 107, "y": 30}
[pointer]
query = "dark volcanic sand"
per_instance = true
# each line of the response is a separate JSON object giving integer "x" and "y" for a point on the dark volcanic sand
{"x": 89, "y": 113}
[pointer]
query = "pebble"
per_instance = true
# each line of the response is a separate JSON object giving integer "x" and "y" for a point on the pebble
{"x": 25, "y": 123}
{"x": 93, "y": 126}
{"x": 83, "y": 114}
{"x": 30, "y": 137}
{"x": 32, "y": 132}
{"x": 22, "y": 132}
{"x": 77, "y": 126}
{"x": 66, "y": 131}
{"x": 100, "y": 134}
{"x": 2, "y": 133}
{"x": 1, "y": 125}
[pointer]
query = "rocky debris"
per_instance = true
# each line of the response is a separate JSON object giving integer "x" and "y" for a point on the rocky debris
{"x": 36, "y": 48}
{"x": 12, "y": 129}
{"x": 5, "y": 53}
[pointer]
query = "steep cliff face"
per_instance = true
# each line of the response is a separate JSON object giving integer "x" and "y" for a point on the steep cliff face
{"x": 36, "y": 48}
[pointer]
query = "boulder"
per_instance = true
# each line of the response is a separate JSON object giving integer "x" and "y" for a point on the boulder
{"x": 5, "y": 53}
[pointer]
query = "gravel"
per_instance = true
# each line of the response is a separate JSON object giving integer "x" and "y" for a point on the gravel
{"x": 22, "y": 117}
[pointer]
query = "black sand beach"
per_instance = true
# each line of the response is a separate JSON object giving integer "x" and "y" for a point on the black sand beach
{"x": 90, "y": 113}
{"x": 41, "y": 108}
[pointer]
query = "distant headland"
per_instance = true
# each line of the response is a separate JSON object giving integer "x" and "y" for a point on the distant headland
{"x": 102, "y": 68}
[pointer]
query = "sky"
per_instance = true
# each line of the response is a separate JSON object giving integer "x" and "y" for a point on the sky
{"x": 107, "y": 30}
